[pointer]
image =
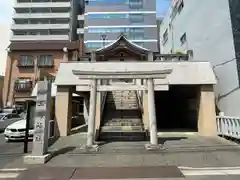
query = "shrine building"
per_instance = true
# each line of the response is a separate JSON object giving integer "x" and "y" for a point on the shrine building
{"x": 131, "y": 93}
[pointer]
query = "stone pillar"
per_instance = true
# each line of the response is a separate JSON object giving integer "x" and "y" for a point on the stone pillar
{"x": 152, "y": 113}
{"x": 42, "y": 117}
{"x": 65, "y": 54}
{"x": 98, "y": 114}
{"x": 145, "y": 111}
{"x": 93, "y": 56}
{"x": 92, "y": 114}
{"x": 63, "y": 110}
{"x": 150, "y": 56}
{"x": 41, "y": 134}
{"x": 85, "y": 109}
{"x": 207, "y": 125}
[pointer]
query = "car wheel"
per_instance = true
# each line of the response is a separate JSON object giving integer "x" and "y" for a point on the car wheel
{"x": 7, "y": 140}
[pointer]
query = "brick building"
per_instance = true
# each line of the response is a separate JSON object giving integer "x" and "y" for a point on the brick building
{"x": 1, "y": 90}
{"x": 27, "y": 62}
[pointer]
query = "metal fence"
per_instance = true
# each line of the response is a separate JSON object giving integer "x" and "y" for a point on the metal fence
{"x": 228, "y": 126}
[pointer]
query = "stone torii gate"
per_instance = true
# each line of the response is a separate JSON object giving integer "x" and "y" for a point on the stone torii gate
{"x": 149, "y": 86}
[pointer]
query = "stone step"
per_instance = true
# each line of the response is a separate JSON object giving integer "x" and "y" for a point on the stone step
{"x": 122, "y": 136}
{"x": 123, "y": 102}
{"x": 122, "y": 106}
{"x": 133, "y": 119}
{"x": 123, "y": 119}
{"x": 120, "y": 99}
{"x": 120, "y": 123}
{"x": 137, "y": 128}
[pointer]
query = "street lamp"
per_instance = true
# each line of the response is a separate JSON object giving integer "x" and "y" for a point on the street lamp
{"x": 104, "y": 37}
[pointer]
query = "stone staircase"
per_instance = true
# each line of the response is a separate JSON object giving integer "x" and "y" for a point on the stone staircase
{"x": 122, "y": 119}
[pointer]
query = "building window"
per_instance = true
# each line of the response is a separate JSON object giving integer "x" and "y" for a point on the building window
{"x": 114, "y": 30}
{"x": 106, "y": 2}
{"x": 135, "y": 36}
{"x": 176, "y": 8}
{"x": 136, "y": 18}
{"x": 94, "y": 44}
{"x": 165, "y": 36}
{"x": 23, "y": 85}
{"x": 45, "y": 61}
{"x": 107, "y": 16}
{"x": 133, "y": 17}
{"x": 135, "y": 4}
{"x": 26, "y": 61}
{"x": 183, "y": 39}
{"x": 180, "y": 7}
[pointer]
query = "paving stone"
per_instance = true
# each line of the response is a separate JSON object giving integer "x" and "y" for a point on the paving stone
{"x": 46, "y": 173}
{"x": 127, "y": 172}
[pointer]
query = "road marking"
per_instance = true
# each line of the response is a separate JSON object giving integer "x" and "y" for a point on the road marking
{"x": 207, "y": 168}
{"x": 16, "y": 169}
{"x": 210, "y": 171}
{"x": 8, "y": 175}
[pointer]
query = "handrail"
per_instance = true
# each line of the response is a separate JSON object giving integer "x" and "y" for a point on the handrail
{"x": 140, "y": 102}
{"x": 228, "y": 126}
{"x": 104, "y": 97}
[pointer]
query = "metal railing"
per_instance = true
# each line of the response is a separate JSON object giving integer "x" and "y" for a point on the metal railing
{"x": 228, "y": 126}
{"x": 23, "y": 86}
{"x": 171, "y": 57}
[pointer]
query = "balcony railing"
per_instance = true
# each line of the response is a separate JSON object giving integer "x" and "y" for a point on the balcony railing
{"x": 25, "y": 65}
{"x": 156, "y": 57}
{"x": 47, "y": 64}
{"x": 171, "y": 57}
{"x": 23, "y": 86}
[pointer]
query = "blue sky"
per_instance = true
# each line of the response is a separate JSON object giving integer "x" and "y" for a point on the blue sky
{"x": 162, "y": 7}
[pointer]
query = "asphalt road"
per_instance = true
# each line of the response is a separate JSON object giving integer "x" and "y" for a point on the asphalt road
{"x": 10, "y": 151}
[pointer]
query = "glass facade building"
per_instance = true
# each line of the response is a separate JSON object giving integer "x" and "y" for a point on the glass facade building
{"x": 110, "y": 18}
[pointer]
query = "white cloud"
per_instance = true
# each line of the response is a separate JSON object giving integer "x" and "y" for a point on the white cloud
{"x": 5, "y": 23}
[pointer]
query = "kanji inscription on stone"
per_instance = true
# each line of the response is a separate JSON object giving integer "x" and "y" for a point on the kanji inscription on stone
{"x": 43, "y": 102}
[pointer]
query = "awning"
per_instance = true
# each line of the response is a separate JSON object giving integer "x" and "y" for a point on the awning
{"x": 53, "y": 91}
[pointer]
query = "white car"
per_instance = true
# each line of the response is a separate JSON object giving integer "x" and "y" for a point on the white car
{"x": 16, "y": 131}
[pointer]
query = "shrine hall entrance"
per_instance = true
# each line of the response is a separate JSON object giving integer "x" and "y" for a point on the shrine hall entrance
{"x": 177, "y": 109}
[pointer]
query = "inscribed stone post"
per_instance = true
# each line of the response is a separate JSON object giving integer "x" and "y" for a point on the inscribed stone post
{"x": 43, "y": 103}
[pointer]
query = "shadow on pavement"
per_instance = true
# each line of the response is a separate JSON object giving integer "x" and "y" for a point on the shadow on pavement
{"x": 162, "y": 140}
{"x": 62, "y": 151}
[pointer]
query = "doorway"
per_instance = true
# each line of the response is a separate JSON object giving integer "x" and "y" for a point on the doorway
{"x": 177, "y": 109}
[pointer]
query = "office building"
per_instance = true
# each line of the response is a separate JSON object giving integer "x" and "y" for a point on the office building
{"x": 210, "y": 29}
{"x": 105, "y": 20}
{"x": 47, "y": 20}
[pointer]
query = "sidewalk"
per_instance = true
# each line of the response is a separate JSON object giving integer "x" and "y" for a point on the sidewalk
{"x": 128, "y": 173}
{"x": 185, "y": 150}
{"x": 101, "y": 173}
